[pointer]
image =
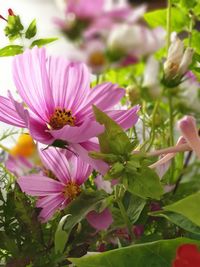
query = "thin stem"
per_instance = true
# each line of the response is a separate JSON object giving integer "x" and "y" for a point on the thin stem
{"x": 152, "y": 136}
{"x": 187, "y": 160}
{"x": 143, "y": 122}
{"x": 190, "y": 30}
{"x": 171, "y": 119}
{"x": 169, "y": 14}
{"x": 4, "y": 148}
{"x": 126, "y": 218}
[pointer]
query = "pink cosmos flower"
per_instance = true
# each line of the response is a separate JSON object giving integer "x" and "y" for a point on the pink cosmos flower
{"x": 55, "y": 193}
{"x": 57, "y": 102}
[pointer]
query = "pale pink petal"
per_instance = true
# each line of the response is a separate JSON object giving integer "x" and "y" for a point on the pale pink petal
{"x": 38, "y": 185}
{"x": 100, "y": 221}
{"x": 103, "y": 96}
{"x": 57, "y": 162}
{"x": 78, "y": 134}
{"x": 50, "y": 207}
{"x": 18, "y": 165}
{"x": 103, "y": 184}
{"x": 69, "y": 81}
{"x": 80, "y": 170}
{"x": 189, "y": 131}
{"x": 125, "y": 118}
{"x": 82, "y": 151}
{"x": 32, "y": 82}
{"x": 8, "y": 113}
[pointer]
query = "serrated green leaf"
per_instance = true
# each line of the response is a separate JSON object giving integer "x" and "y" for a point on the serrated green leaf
{"x": 144, "y": 183}
{"x": 188, "y": 207}
{"x": 11, "y": 50}
{"x": 42, "y": 42}
{"x": 154, "y": 254}
{"x": 114, "y": 140}
{"x": 32, "y": 30}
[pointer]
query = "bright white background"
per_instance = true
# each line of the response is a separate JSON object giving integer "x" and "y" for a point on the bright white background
{"x": 44, "y": 11}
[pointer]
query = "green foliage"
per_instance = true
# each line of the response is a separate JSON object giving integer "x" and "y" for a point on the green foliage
{"x": 32, "y": 30}
{"x": 155, "y": 254}
{"x": 42, "y": 42}
{"x": 188, "y": 207}
{"x": 14, "y": 28}
{"x": 80, "y": 207}
{"x": 157, "y": 18}
{"x": 11, "y": 50}
{"x": 114, "y": 140}
{"x": 179, "y": 220}
{"x": 144, "y": 183}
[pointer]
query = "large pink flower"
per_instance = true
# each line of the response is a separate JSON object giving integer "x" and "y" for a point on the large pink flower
{"x": 58, "y": 101}
{"x": 55, "y": 194}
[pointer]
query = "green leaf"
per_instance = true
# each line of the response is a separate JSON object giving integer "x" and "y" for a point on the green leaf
{"x": 155, "y": 254}
{"x": 135, "y": 207}
{"x": 11, "y": 50}
{"x": 189, "y": 4}
{"x": 32, "y": 30}
{"x": 114, "y": 140}
{"x": 158, "y": 19}
{"x": 188, "y": 207}
{"x": 145, "y": 183}
{"x": 61, "y": 236}
{"x": 109, "y": 158}
{"x": 42, "y": 42}
{"x": 179, "y": 220}
{"x": 80, "y": 207}
{"x": 13, "y": 28}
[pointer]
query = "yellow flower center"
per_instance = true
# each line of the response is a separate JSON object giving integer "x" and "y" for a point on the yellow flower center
{"x": 71, "y": 190}
{"x": 60, "y": 118}
{"x": 96, "y": 59}
{"x": 24, "y": 147}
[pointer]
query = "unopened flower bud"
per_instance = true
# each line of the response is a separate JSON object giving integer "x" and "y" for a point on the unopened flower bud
{"x": 133, "y": 94}
{"x": 178, "y": 61}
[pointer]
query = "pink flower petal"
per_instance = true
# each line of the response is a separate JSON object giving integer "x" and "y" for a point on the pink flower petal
{"x": 82, "y": 151}
{"x": 78, "y": 134}
{"x": 30, "y": 76}
{"x": 189, "y": 131}
{"x": 68, "y": 79}
{"x": 100, "y": 221}
{"x": 50, "y": 207}
{"x": 57, "y": 162}
{"x": 38, "y": 185}
{"x": 125, "y": 118}
{"x": 103, "y": 96}
{"x": 8, "y": 113}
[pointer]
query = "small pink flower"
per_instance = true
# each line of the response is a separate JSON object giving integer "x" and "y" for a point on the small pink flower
{"x": 55, "y": 194}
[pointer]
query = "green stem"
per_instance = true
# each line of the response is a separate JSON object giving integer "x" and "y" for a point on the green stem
{"x": 169, "y": 14}
{"x": 190, "y": 30}
{"x": 171, "y": 119}
{"x": 126, "y": 218}
{"x": 4, "y": 148}
{"x": 152, "y": 136}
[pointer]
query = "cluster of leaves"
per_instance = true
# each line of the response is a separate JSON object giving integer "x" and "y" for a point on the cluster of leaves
{"x": 15, "y": 31}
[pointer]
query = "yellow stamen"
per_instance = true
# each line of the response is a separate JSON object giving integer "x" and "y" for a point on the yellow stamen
{"x": 71, "y": 190}
{"x": 60, "y": 118}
